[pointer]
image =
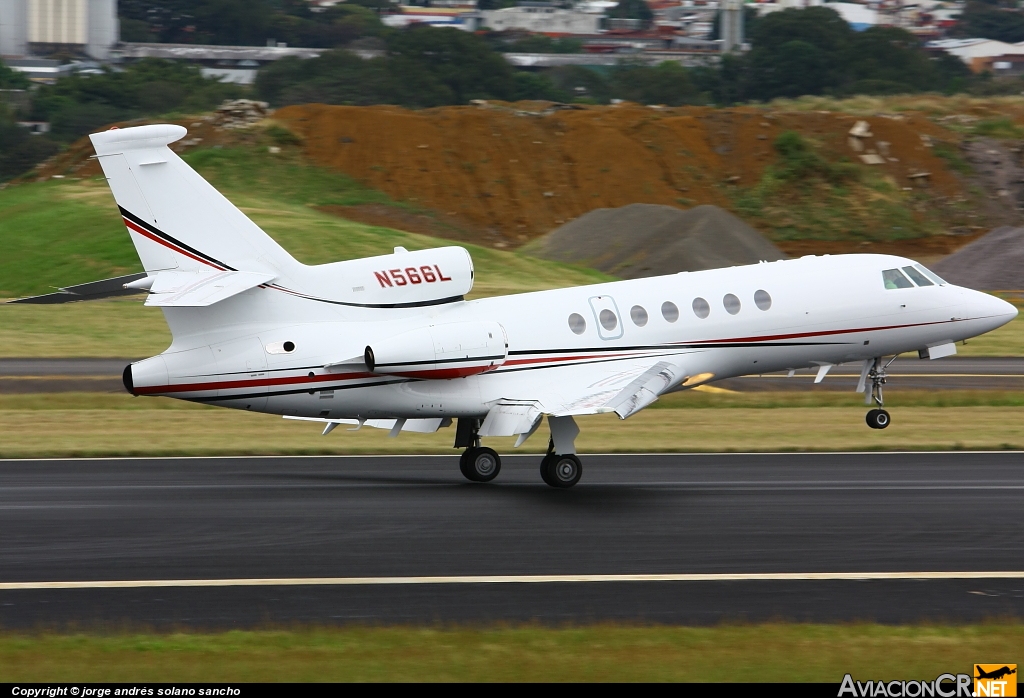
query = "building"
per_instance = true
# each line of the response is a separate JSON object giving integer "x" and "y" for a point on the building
{"x": 541, "y": 18}
{"x": 44, "y": 27}
{"x": 982, "y": 54}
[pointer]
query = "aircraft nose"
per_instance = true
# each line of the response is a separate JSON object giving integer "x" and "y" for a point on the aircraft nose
{"x": 995, "y": 310}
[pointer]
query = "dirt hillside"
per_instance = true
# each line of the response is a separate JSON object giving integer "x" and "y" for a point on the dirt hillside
{"x": 651, "y": 240}
{"x": 520, "y": 172}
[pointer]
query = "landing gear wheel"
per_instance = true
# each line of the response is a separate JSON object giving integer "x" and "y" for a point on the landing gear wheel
{"x": 561, "y": 471}
{"x": 480, "y": 464}
{"x": 877, "y": 419}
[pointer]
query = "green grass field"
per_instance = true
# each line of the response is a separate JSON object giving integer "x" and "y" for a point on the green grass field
{"x": 84, "y": 424}
{"x": 732, "y": 653}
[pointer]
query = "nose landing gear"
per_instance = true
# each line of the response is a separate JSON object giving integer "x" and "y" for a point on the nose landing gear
{"x": 877, "y": 418}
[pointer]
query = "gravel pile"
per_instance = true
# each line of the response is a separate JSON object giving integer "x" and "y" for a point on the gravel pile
{"x": 650, "y": 240}
{"x": 993, "y": 262}
{"x": 240, "y": 113}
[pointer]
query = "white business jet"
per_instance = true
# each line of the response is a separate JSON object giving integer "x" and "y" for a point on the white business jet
{"x": 390, "y": 342}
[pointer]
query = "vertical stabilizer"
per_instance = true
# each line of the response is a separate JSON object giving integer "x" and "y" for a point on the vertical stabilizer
{"x": 176, "y": 219}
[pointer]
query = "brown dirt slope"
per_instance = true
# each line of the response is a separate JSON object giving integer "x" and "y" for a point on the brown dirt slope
{"x": 651, "y": 240}
{"x": 521, "y": 174}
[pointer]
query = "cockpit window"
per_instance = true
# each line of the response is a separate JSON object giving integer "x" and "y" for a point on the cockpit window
{"x": 930, "y": 274}
{"x": 894, "y": 279}
{"x": 917, "y": 277}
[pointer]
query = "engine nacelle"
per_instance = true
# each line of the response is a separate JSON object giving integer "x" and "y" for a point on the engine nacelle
{"x": 452, "y": 350}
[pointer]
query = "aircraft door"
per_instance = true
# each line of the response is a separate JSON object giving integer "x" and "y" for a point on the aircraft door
{"x": 606, "y": 313}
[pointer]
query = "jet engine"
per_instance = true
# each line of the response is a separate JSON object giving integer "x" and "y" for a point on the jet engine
{"x": 452, "y": 350}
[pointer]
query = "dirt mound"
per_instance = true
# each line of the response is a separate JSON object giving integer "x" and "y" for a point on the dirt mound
{"x": 520, "y": 173}
{"x": 993, "y": 262}
{"x": 650, "y": 240}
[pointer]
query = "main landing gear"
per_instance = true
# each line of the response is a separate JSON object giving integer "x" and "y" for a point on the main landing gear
{"x": 481, "y": 464}
{"x": 477, "y": 463}
{"x": 877, "y": 418}
{"x": 561, "y": 471}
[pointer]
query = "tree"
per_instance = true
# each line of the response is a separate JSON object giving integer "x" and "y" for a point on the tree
{"x": 669, "y": 83}
{"x": 12, "y": 79}
{"x": 1002, "y": 21}
{"x": 632, "y": 9}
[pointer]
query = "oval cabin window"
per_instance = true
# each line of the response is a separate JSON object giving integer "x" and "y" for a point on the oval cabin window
{"x": 762, "y": 300}
{"x": 701, "y": 308}
{"x": 577, "y": 324}
{"x": 731, "y": 303}
{"x": 638, "y": 315}
{"x": 669, "y": 311}
{"x": 608, "y": 320}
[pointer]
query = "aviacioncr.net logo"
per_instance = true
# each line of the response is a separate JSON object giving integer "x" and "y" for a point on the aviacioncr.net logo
{"x": 943, "y": 686}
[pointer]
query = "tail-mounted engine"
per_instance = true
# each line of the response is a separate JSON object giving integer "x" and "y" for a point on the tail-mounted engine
{"x": 452, "y": 350}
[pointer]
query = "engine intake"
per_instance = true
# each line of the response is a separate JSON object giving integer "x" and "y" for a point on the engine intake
{"x": 452, "y": 350}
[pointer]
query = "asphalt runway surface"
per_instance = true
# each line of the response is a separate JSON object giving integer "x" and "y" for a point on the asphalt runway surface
{"x": 393, "y": 539}
{"x": 907, "y": 373}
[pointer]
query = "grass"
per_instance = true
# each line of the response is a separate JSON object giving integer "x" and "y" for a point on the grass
{"x": 770, "y": 652}
{"x": 805, "y": 196}
{"x": 83, "y": 424}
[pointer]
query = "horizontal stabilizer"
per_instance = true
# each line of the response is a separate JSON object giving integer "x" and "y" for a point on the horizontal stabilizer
{"x": 185, "y": 289}
{"x": 92, "y": 291}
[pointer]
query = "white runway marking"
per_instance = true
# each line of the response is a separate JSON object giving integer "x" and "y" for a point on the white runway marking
{"x": 512, "y": 579}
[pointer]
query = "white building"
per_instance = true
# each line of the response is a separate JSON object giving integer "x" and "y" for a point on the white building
{"x": 541, "y": 18}
{"x": 30, "y": 27}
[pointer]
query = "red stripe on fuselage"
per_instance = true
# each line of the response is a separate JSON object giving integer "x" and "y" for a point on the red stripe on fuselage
{"x": 249, "y": 383}
{"x": 821, "y": 333}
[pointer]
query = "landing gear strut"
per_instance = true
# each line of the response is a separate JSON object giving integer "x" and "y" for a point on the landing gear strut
{"x": 877, "y": 418}
{"x": 477, "y": 463}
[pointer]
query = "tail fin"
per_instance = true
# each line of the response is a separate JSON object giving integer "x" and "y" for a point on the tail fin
{"x": 176, "y": 219}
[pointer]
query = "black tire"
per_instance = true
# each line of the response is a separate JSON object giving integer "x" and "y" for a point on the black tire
{"x": 462, "y": 464}
{"x": 545, "y": 470}
{"x": 870, "y": 418}
{"x": 878, "y": 419}
{"x": 482, "y": 464}
{"x": 563, "y": 471}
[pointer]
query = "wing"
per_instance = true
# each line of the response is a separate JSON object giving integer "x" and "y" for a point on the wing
{"x": 94, "y": 290}
{"x": 622, "y": 387}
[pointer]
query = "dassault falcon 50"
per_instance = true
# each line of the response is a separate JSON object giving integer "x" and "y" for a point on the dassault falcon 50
{"x": 391, "y": 342}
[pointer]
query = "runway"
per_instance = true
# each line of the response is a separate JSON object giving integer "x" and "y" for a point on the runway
{"x": 908, "y": 373}
{"x": 241, "y": 542}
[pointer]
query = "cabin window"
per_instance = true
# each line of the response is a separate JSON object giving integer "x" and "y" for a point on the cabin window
{"x": 638, "y": 315}
{"x": 893, "y": 278}
{"x": 917, "y": 277}
{"x": 762, "y": 300}
{"x": 669, "y": 311}
{"x": 577, "y": 324}
{"x": 930, "y": 274}
{"x": 701, "y": 308}
{"x": 608, "y": 320}
{"x": 731, "y": 303}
